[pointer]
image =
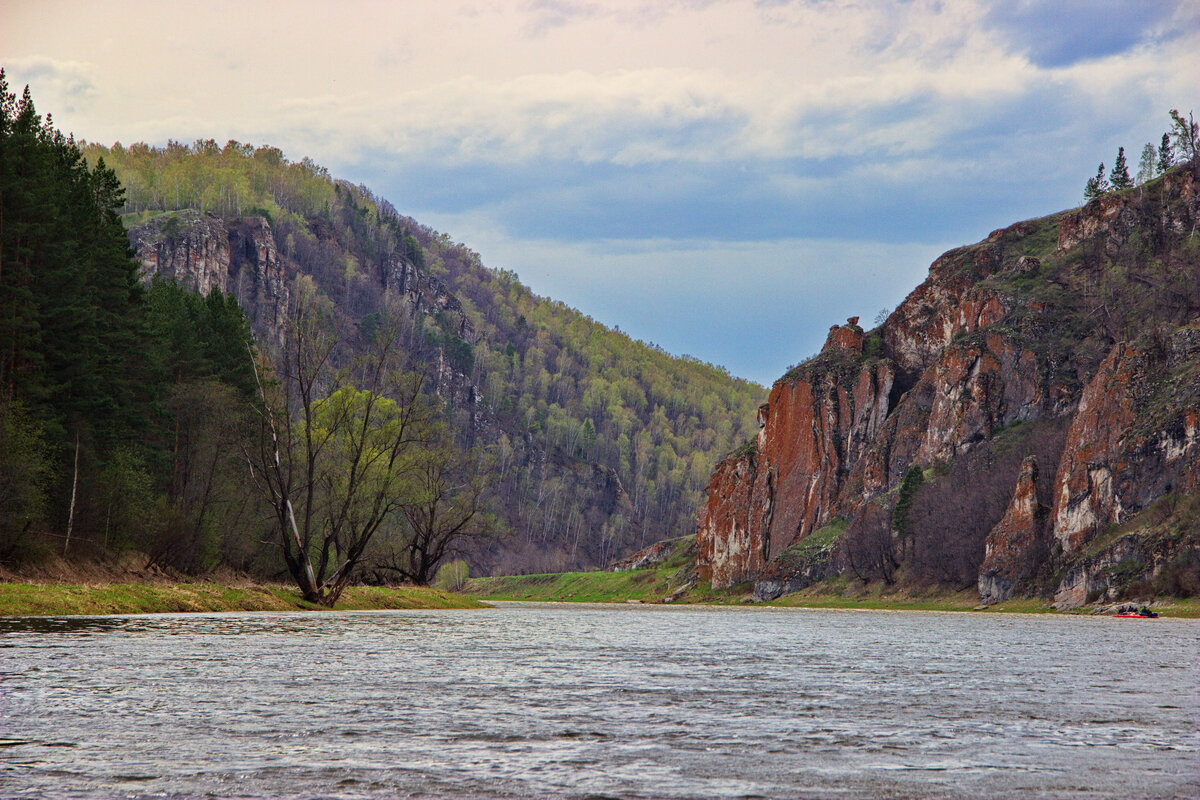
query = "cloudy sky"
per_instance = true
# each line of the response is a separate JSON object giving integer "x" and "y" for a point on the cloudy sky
{"x": 725, "y": 178}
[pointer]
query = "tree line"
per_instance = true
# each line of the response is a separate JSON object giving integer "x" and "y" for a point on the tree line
{"x": 142, "y": 419}
{"x": 1178, "y": 145}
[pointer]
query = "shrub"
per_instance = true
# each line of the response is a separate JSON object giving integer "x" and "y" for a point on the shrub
{"x": 452, "y": 576}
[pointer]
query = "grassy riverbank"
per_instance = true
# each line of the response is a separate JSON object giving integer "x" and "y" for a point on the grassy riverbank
{"x": 54, "y": 599}
{"x": 642, "y": 585}
{"x": 657, "y": 584}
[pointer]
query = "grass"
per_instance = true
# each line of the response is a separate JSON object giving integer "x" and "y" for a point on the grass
{"x": 1179, "y": 608}
{"x": 817, "y": 544}
{"x": 52, "y": 599}
{"x": 641, "y": 585}
{"x": 646, "y": 585}
{"x": 841, "y": 592}
{"x": 653, "y": 585}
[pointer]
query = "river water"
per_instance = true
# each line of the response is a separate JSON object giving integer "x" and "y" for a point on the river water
{"x": 546, "y": 700}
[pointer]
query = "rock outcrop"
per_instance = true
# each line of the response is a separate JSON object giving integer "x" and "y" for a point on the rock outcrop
{"x": 815, "y": 427}
{"x": 206, "y": 252}
{"x": 1006, "y": 333}
{"x": 1012, "y": 544}
{"x": 239, "y": 256}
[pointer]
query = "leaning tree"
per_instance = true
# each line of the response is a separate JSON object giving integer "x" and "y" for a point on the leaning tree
{"x": 335, "y": 447}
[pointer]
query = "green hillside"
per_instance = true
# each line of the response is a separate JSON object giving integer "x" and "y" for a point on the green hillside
{"x": 599, "y": 443}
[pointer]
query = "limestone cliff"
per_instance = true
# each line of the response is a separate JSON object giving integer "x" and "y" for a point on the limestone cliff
{"x": 205, "y": 252}
{"x": 1091, "y": 316}
{"x": 239, "y": 256}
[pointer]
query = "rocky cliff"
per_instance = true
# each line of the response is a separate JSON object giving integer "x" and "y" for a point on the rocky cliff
{"x": 1087, "y": 321}
{"x": 206, "y": 252}
{"x": 239, "y": 256}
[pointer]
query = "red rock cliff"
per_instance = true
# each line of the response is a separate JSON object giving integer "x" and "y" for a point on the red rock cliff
{"x": 1014, "y": 541}
{"x": 983, "y": 345}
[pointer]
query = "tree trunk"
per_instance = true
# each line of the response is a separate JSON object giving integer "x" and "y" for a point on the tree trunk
{"x": 74, "y": 486}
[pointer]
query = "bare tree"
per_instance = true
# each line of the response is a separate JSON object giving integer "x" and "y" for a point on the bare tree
{"x": 867, "y": 548}
{"x": 445, "y": 508}
{"x": 335, "y": 447}
{"x": 1186, "y": 136}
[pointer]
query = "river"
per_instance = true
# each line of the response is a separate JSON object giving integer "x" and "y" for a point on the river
{"x": 548, "y": 700}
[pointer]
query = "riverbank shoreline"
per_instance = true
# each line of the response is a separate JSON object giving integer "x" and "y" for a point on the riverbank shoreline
{"x": 660, "y": 586}
{"x": 74, "y": 599}
{"x": 53, "y": 598}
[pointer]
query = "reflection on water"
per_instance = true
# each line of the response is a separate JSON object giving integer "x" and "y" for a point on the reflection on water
{"x": 571, "y": 701}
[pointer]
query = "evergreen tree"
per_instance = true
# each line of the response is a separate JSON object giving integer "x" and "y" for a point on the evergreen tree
{"x": 1120, "y": 173}
{"x": 1097, "y": 185}
{"x": 913, "y": 480}
{"x": 86, "y": 363}
{"x": 1166, "y": 154}
{"x": 68, "y": 290}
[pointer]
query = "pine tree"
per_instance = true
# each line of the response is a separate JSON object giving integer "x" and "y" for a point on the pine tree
{"x": 1166, "y": 154}
{"x": 1096, "y": 186}
{"x": 1120, "y": 173}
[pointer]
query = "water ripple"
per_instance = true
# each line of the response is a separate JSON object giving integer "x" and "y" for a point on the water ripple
{"x": 578, "y": 701}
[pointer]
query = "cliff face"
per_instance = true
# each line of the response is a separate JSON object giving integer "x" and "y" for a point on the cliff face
{"x": 1012, "y": 544}
{"x": 205, "y": 252}
{"x": 239, "y": 256}
{"x": 1092, "y": 316}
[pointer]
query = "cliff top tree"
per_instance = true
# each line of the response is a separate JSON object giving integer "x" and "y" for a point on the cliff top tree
{"x": 1120, "y": 173}
{"x": 1186, "y": 136}
{"x": 1147, "y": 163}
{"x": 1097, "y": 185}
{"x": 1166, "y": 154}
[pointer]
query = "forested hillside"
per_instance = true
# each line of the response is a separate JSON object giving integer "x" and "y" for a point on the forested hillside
{"x": 114, "y": 396}
{"x": 597, "y": 443}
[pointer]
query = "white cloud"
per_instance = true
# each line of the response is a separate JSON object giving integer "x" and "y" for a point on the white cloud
{"x": 620, "y": 82}
{"x": 633, "y": 109}
{"x": 63, "y": 85}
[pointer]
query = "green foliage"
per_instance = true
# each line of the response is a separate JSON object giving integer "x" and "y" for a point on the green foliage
{"x": 835, "y": 364}
{"x": 130, "y": 505}
{"x": 56, "y": 599}
{"x": 748, "y": 449}
{"x": 90, "y": 357}
{"x": 560, "y": 387}
{"x": 25, "y": 472}
{"x": 1146, "y": 164}
{"x": 68, "y": 289}
{"x": 1166, "y": 154}
{"x": 1097, "y": 185}
{"x": 913, "y": 480}
{"x": 817, "y": 547}
{"x": 873, "y": 347}
{"x": 1120, "y": 173}
{"x": 452, "y": 576}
